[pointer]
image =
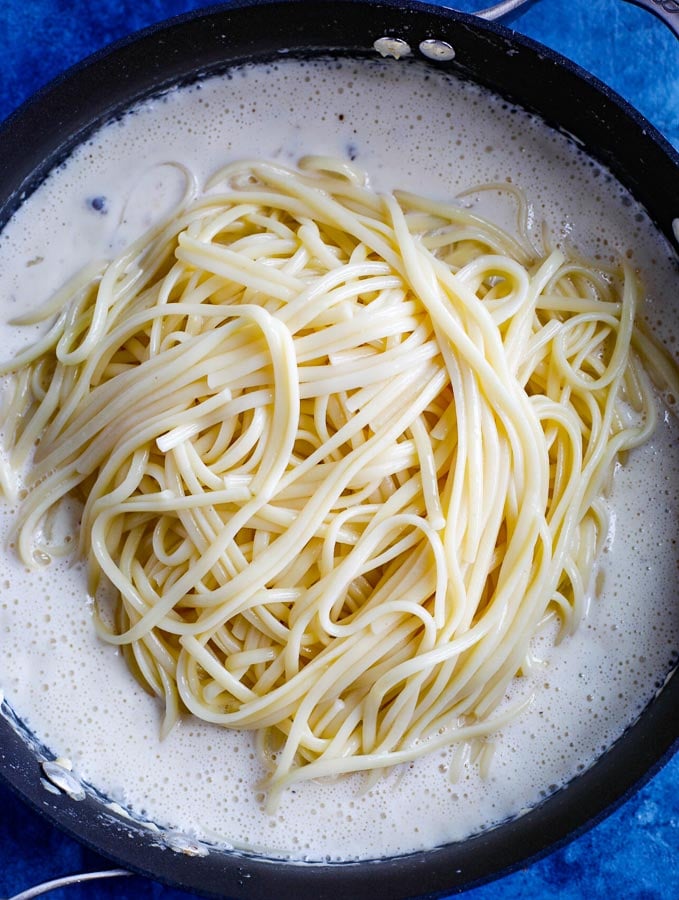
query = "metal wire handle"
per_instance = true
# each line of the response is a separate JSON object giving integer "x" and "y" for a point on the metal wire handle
{"x": 47, "y": 886}
{"x": 502, "y": 10}
{"x": 665, "y": 10}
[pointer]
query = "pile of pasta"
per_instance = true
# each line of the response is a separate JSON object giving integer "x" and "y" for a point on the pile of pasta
{"x": 340, "y": 456}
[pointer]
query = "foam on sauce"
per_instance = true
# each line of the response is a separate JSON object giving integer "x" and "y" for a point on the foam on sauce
{"x": 412, "y": 127}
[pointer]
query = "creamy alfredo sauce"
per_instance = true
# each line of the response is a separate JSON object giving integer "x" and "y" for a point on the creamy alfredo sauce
{"x": 410, "y": 127}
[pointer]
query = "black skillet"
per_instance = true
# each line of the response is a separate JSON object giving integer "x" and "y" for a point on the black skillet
{"x": 46, "y": 129}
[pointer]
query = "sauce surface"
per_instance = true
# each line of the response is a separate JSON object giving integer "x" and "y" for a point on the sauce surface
{"x": 412, "y": 127}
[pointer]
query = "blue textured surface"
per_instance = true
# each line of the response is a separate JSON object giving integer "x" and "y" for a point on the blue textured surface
{"x": 633, "y": 854}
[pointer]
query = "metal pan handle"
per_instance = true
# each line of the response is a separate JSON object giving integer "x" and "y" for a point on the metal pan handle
{"x": 504, "y": 10}
{"x": 56, "y": 883}
{"x": 666, "y": 10}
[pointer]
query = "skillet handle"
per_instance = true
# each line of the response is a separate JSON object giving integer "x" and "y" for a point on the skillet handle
{"x": 666, "y": 10}
{"x": 504, "y": 10}
{"x": 56, "y": 883}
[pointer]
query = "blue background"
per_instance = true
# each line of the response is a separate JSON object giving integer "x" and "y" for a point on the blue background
{"x": 635, "y": 852}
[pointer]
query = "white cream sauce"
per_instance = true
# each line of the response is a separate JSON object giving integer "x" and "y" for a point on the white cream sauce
{"x": 411, "y": 127}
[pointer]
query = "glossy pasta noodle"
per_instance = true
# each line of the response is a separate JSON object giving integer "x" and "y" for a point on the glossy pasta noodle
{"x": 340, "y": 456}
